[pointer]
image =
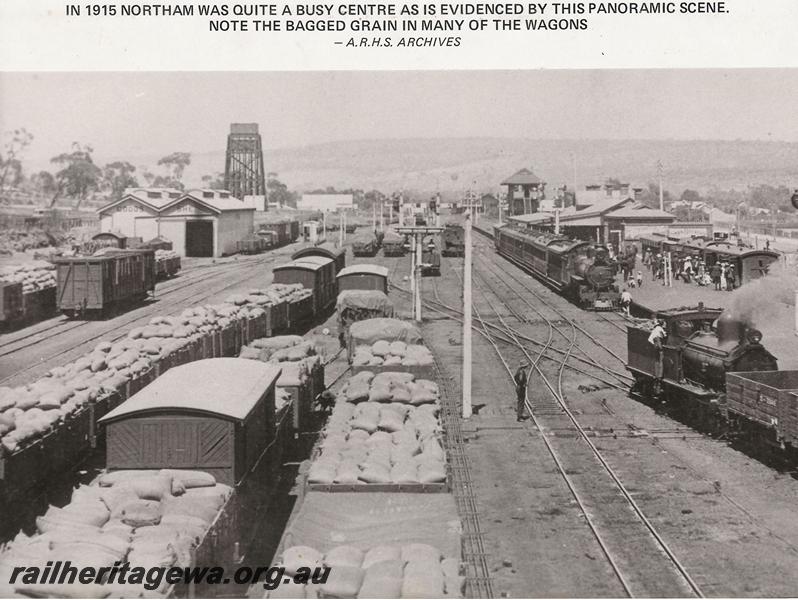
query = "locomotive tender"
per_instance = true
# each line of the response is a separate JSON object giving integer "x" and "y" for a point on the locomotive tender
{"x": 577, "y": 269}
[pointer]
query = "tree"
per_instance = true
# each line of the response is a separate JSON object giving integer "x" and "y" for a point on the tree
{"x": 213, "y": 182}
{"x": 10, "y": 160}
{"x": 650, "y": 196}
{"x": 44, "y": 183}
{"x": 118, "y": 176}
{"x": 176, "y": 164}
{"x": 79, "y": 174}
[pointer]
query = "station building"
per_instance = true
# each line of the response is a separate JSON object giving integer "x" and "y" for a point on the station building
{"x": 198, "y": 222}
{"x": 608, "y": 220}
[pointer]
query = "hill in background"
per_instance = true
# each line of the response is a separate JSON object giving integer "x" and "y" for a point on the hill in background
{"x": 453, "y": 164}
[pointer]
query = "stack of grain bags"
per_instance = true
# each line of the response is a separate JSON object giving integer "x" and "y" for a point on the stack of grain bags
{"x": 27, "y": 412}
{"x": 276, "y": 293}
{"x": 161, "y": 255}
{"x": 385, "y": 341}
{"x": 384, "y": 571}
{"x": 383, "y": 429}
{"x": 35, "y": 276}
{"x": 298, "y": 358}
{"x": 145, "y": 518}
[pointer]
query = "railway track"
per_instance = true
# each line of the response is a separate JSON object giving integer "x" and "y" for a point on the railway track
{"x": 112, "y": 327}
{"x": 639, "y": 557}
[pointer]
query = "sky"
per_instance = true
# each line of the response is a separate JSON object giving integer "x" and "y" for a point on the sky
{"x": 153, "y": 114}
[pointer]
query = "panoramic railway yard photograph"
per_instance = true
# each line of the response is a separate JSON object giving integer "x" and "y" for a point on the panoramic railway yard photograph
{"x": 475, "y": 334}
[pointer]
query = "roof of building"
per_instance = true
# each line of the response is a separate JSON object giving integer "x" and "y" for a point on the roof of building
{"x": 639, "y": 212}
{"x": 218, "y": 200}
{"x": 533, "y": 218}
{"x": 154, "y": 198}
{"x": 227, "y": 387}
{"x": 364, "y": 270}
{"x": 522, "y": 177}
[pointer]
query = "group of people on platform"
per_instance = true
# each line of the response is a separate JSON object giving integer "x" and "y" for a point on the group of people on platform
{"x": 692, "y": 269}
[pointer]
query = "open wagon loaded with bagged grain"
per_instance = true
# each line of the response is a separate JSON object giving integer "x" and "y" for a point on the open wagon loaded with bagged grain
{"x": 385, "y": 344}
{"x": 49, "y": 425}
{"x": 384, "y": 434}
{"x": 302, "y": 376}
{"x": 27, "y": 293}
{"x": 378, "y": 545}
{"x": 215, "y": 421}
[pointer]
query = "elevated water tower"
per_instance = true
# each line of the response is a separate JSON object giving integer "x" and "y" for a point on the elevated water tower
{"x": 243, "y": 168}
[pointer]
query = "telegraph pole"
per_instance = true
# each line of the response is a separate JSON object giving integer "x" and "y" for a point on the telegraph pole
{"x": 467, "y": 319}
{"x": 659, "y": 172}
{"x": 417, "y": 315}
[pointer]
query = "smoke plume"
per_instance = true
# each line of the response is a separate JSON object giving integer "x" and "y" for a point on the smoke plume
{"x": 761, "y": 300}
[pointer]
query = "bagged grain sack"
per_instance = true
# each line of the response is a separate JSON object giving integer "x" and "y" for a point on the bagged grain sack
{"x": 454, "y": 587}
{"x": 85, "y": 494}
{"x": 112, "y": 478}
{"x": 421, "y": 553}
{"x": 382, "y": 580}
{"x": 347, "y": 472}
{"x": 190, "y": 479}
{"x": 366, "y": 376}
{"x": 89, "y": 543}
{"x": 342, "y": 582}
{"x": 380, "y": 553}
{"x": 153, "y": 487}
{"x": 366, "y": 421}
{"x": 381, "y": 348}
{"x": 94, "y": 514}
{"x": 322, "y": 473}
{"x": 297, "y": 557}
{"x": 357, "y": 436}
{"x": 357, "y": 391}
{"x": 380, "y": 393}
{"x": 426, "y": 581}
{"x": 375, "y": 361}
{"x": 119, "y": 530}
{"x": 140, "y": 513}
{"x": 400, "y": 393}
{"x": 250, "y": 353}
{"x": 374, "y": 472}
{"x": 186, "y": 525}
{"x": 288, "y": 591}
{"x": 404, "y": 472}
{"x": 205, "y": 508}
{"x": 62, "y": 590}
{"x": 344, "y": 556}
{"x": 390, "y": 421}
{"x": 431, "y": 472}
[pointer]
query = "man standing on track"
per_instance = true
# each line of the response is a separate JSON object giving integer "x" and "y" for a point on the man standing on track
{"x": 521, "y": 380}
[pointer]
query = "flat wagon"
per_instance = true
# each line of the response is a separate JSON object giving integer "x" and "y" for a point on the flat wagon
{"x": 453, "y": 237}
{"x": 365, "y": 248}
{"x": 97, "y": 284}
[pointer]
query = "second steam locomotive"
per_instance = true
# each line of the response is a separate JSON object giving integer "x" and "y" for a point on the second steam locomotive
{"x": 579, "y": 270}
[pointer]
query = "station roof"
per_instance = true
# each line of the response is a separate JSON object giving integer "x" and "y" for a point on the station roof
{"x": 226, "y": 387}
{"x": 630, "y": 212}
{"x": 364, "y": 270}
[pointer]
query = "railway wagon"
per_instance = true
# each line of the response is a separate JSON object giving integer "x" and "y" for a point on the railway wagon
{"x": 18, "y": 307}
{"x": 158, "y": 243}
{"x": 204, "y": 435}
{"x": 365, "y": 248}
{"x": 326, "y": 250}
{"x": 453, "y": 237}
{"x": 97, "y": 284}
{"x": 430, "y": 262}
{"x": 166, "y": 267}
{"x": 393, "y": 245}
{"x": 363, "y": 277}
{"x": 109, "y": 239}
{"x": 286, "y": 232}
{"x": 11, "y": 308}
{"x": 579, "y": 270}
{"x": 315, "y": 273}
{"x": 749, "y": 263}
{"x": 251, "y": 244}
{"x": 764, "y": 406}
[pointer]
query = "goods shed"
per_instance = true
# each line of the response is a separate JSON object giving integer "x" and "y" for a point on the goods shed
{"x": 214, "y": 415}
{"x": 199, "y": 222}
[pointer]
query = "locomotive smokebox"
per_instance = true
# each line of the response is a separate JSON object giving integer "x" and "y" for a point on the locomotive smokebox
{"x": 730, "y": 329}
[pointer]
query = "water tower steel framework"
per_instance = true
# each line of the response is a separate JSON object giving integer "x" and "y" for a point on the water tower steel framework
{"x": 243, "y": 169}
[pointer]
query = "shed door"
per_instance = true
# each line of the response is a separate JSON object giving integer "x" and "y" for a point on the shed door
{"x": 199, "y": 238}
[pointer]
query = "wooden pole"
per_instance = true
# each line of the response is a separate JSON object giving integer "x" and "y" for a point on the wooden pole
{"x": 661, "y": 198}
{"x": 467, "y": 320}
{"x": 417, "y": 303}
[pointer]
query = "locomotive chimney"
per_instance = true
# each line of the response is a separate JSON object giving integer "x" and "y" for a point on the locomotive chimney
{"x": 730, "y": 329}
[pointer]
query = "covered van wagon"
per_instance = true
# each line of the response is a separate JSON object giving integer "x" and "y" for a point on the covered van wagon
{"x": 314, "y": 273}
{"x": 327, "y": 250}
{"x": 214, "y": 415}
{"x": 363, "y": 277}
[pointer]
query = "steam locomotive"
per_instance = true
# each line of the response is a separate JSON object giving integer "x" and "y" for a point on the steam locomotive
{"x": 690, "y": 371}
{"x": 579, "y": 270}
